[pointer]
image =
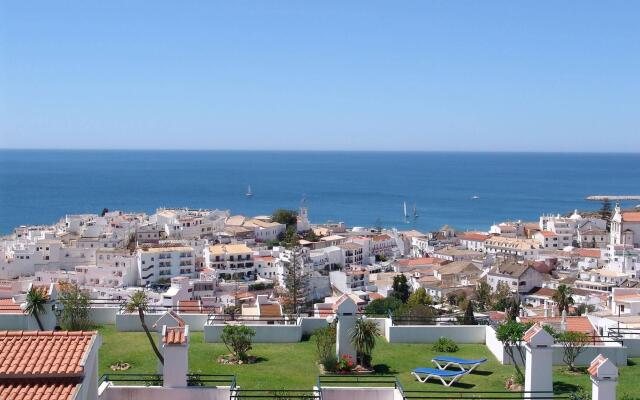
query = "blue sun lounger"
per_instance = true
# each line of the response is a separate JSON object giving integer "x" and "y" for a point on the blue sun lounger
{"x": 462, "y": 363}
{"x": 424, "y": 374}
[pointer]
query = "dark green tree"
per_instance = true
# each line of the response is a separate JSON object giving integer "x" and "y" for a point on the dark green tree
{"x": 483, "y": 296}
{"x": 36, "y": 299}
{"x": 296, "y": 282}
{"x": 382, "y": 306}
{"x": 287, "y": 217}
{"x": 75, "y": 307}
{"x": 401, "y": 288}
{"x": 469, "y": 318}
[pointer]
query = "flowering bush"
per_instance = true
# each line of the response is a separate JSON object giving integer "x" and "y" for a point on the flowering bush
{"x": 345, "y": 364}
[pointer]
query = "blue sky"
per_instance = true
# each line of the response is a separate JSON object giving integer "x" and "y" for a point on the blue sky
{"x": 330, "y": 75}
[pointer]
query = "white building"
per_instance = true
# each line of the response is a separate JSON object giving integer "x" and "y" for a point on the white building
{"x": 519, "y": 278}
{"x": 625, "y": 227}
{"x": 231, "y": 261}
{"x": 164, "y": 262}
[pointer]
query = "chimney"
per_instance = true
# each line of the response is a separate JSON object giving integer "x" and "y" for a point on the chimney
{"x": 604, "y": 378}
{"x": 175, "y": 349}
{"x": 546, "y": 310}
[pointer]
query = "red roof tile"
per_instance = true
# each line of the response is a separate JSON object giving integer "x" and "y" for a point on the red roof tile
{"x": 473, "y": 236}
{"x": 593, "y": 253}
{"x": 40, "y": 391}
{"x": 55, "y": 354}
{"x": 633, "y": 216}
{"x": 175, "y": 335}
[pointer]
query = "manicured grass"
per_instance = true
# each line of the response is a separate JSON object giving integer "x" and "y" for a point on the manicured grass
{"x": 293, "y": 365}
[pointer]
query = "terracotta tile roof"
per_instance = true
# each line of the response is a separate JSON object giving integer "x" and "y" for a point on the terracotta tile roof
{"x": 175, "y": 335}
{"x": 547, "y": 234}
{"x": 633, "y": 216}
{"x": 595, "y": 364}
{"x": 270, "y": 310}
{"x": 539, "y": 291}
{"x": 380, "y": 238}
{"x": 54, "y": 354}
{"x": 375, "y": 296}
{"x": 173, "y": 315}
{"x": 8, "y": 306}
{"x": 593, "y": 253}
{"x": 473, "y": 236}
{"x": 574, "y": 324}
{"x": 529, "y": 334}
{"x": 413, "y": 262}
{"x": 189, "y": 306}
{"x": 40, "y": 391}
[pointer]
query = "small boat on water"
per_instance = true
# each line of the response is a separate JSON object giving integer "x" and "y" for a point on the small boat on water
{"x": 406, "y": 216}
{"x": 475, "y": 197}
{"x": 415, "y": 212}
{"x": 249, "y": 192}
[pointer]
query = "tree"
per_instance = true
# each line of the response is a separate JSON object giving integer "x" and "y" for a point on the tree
{"x": 469, "y": 318}
{"x": 290, "y": 238}
{"x": 401, "y": 288}
{"x": 139, "y": 302}
{"x": 326, "y": 343}
{"x": 563, "y": 298}
{"x": 311, "y": 236}
{"x": 483, "y": 296}
{"x": 573, "y": 344}
{"x": 238, "y": 338}
{"x": 75, "y": 307}
{"x": 513, "y": 308}
{"x": 382, "y": 306}
{"x": 104, "y": 211}
{"x": 421, "y": 297}
{"x": 363, "y": 337}
{"x": 416, "y": 315}
{"x": 510, "y": 334}
{"x": 287, "y": 217}
{"x": 36, "y": 299}
{"x": 605, "y": 212}
{"x": 296, "y": 282}
{"x": 501, "y": 297}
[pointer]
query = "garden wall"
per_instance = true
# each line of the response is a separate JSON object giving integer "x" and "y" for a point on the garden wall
{"x": 310, "y": 324}
{"x": 103, "y": 315}
{"x": 614, "y": 351}
{"x": 131, "y": 322}
{"x": 431, "y": 333}
{"x": 110, "y": 392}
{"x": 360, "y": 393}
{"x": 264, "y": 333}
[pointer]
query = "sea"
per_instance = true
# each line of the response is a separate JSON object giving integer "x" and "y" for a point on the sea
{"x": 468, "y": 191}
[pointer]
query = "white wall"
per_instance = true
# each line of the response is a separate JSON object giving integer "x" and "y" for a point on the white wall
{"x": 264, "y": 333}
{"x": 109, "y": 392}
{"x": 103, "y": 315}
{"x": 431, "y": 333}
{"x": 310, "y": 324}
{"x": 358, "y": 393}
{"x": 131, "y": 322}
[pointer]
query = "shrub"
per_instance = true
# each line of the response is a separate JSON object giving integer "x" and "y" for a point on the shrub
{"x": 363, "y": 337}
{"x": 237, "y": 338}
{"x": 345, "y": 364}
{"x": 573, "y": 344}
{"x": 329, "y": 363}
{"x": 326, "y": 343}
{"x": 445, "y": 345}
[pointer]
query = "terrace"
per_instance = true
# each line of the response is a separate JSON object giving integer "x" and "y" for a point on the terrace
{"x": 292, "y": 366}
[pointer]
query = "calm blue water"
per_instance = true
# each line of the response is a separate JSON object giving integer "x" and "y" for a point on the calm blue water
{"x": 358, "y": 188}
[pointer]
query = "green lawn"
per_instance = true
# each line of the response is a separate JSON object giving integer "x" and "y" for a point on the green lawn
{"x": 293, "y": 366}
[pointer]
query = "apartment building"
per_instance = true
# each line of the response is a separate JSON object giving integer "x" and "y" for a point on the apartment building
{"x": 231, "y": 261}
{"x": 164, "y": 262}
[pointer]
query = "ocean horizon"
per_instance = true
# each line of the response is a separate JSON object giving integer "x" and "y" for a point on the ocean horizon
{"x": 359, "y": 188}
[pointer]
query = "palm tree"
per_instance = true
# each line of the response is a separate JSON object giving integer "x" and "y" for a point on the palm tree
{"x": 140, "y": 302}
{"x": 36, "y": 299}
{"x": 363, "y": 337}
{"x": 563, "y": 298}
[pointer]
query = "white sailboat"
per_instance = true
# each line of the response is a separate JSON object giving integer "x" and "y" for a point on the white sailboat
{"x": 406, "y": 216}
{"x": 415, "y": 212}
{"x": 249, "y": 192}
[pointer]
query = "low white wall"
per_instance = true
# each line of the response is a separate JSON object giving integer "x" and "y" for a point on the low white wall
{"x": 633, "y": 347}
{"x": 110, "y": 392}
{"x": 382, "y": 324}
{"x": 614, "y": 351}
{"x": 131, "y": 322}
{"x": 196, "y": 322}
{"x": 103, "y": 315}
{"x": 359, "y": 393}
{"x": 495, "y": 346}
{"x": 264, "y": 333}
{"x": 431, "y": 333}
{"x": 310, "y": 324}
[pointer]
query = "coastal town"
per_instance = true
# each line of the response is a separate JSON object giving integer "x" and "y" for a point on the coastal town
{"x": 207, "y": 269}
